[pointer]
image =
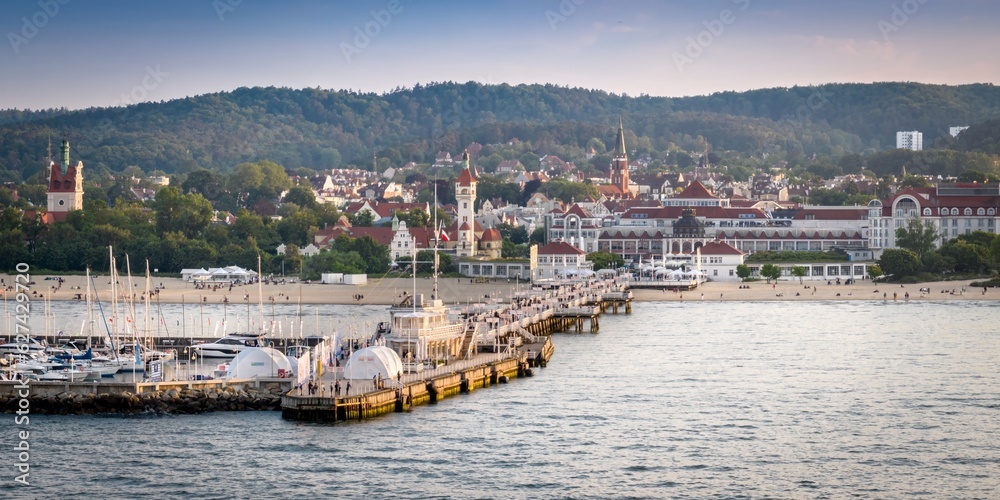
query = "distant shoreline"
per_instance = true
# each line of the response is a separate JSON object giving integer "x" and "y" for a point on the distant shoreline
{"x": 462, "y": 290}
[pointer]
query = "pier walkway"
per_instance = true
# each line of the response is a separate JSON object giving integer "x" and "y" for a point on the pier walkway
{"x": 506, "y": 338}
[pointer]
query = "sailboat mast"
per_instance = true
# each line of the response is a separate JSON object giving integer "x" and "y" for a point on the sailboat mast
{"x": 260, "y": 298}
{"x": 437, "y": 232}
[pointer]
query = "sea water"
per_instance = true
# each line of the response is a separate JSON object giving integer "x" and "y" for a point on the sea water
{"x": 682, "y": 400}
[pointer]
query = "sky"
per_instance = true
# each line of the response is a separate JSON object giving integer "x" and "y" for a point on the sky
{"x": 84, "y": 53}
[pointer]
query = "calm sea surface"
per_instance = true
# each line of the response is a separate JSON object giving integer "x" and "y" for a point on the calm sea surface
{"x": 678, "y": 400}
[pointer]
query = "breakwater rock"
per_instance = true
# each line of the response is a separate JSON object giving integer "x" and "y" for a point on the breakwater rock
{"x": 167, "y": 401}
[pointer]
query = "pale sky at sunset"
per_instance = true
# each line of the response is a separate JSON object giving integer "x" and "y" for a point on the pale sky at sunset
{"x": 91, "y": 53}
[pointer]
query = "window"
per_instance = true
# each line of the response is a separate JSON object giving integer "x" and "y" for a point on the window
{"x": 954, "y": 211}
{"x": 927, "y": 211}
{"x": 730, "y": 272}
{"x": 465, "y": 205}
{"x": 967, "y": 211}
{"x": 981, "y": 211}
{"x": 991, "y": 211}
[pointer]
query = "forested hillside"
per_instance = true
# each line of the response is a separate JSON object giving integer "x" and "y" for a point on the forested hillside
{"x": 319, "y": 129}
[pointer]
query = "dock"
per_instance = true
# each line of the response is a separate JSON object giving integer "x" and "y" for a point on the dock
{"x": 523, "y": 323}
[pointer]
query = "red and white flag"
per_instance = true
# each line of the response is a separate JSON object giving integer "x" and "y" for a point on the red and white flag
{"x": 444, "y": 235}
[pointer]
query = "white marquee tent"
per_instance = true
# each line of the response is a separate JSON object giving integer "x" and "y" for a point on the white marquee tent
{"x": 258, "y": 362}
{"x": 372, "y": 361}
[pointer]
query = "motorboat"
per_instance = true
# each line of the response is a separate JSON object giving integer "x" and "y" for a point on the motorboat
{"x": 67, "y": 375}
{"x": 229, "y": 346}
{"x": 31, "y": 346}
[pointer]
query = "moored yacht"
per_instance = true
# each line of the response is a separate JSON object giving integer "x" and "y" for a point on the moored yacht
{"x": 229, "y": 346}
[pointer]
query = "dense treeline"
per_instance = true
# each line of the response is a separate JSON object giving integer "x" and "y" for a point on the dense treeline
{"x": 319, "y": 128}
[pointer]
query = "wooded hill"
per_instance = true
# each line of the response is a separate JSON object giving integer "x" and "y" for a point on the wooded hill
{"x": 319, "y": 129}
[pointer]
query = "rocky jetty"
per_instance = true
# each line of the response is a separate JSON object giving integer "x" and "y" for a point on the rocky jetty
{"x": 169, "y": 401}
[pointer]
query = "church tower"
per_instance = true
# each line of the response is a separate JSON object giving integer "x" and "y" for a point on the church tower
{"x": 65, "y": 185}
{"x": 619, "y": 162}
{"x": 465, "y": 195}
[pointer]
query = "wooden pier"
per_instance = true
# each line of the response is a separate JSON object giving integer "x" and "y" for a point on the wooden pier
{"x": 524, "y": 323}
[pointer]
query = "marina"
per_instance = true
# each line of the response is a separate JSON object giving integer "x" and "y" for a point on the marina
{"x": 427, "y": 352}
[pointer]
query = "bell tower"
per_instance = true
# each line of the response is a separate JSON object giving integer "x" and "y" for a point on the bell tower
{"x": 65, "y": 184}
{"x": 465, "y": 195}
{"x": 619, "y": 162}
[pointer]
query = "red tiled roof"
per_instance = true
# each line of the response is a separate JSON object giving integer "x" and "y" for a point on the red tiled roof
{"x": 696, "y": 190}
{"x": 579, "y": 211}
{"x": 491, "y": 234}
{"x": 465, "y": 178}
{"x": 846, "y": 213}
{"x": 560, "y": 248}
{"x": 719, "y": 248}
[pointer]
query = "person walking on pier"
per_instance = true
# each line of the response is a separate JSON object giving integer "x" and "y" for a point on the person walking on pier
{"x": 336, "y": 388}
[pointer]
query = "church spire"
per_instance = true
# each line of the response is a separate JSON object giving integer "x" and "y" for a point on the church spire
{"x": 620, "y": 140}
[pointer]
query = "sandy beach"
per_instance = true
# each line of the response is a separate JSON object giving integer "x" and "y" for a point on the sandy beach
{"x": 458, "y": 290}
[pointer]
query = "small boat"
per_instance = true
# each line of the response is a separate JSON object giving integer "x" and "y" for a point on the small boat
{"x": 67, "y": 375}
{"x": 33, "y": 345}
{"x": 229, "y": 346}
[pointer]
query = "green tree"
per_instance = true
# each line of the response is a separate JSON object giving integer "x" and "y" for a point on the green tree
{"x": 415, "y": 217}
{"x": 994, "y": 254}
{"x": 302, "y": 196}
{"x": 969, "y": 258}
{"x": 770, "y": 272}
{"x": 258, "y": 182}
{"x": 208, "y": 184}
{"x": 300, "y": 228}
{"x": 537, "y": 236}
{"x": 362, "y": 219}
{"x": 425, "y": 262}
{"x": 935, "y": 262}
{"x": 799, "y": 272}
{"x": 743, "y": 272}
{"x": 374, "y": 255}
{"x": 605, "y": 260}
{"x": 188, "y": 214}
{"x": 875, "y": 272}
{"x": 917, "y": 237}
{"x": 332, "y": 261}
{"x": 899, "y": 262}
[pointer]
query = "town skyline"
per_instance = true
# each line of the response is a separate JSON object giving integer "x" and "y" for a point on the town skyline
{"x": 78, "y": 55}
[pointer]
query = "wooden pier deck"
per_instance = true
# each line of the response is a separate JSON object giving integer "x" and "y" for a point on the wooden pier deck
{"x": 523, "y": 324}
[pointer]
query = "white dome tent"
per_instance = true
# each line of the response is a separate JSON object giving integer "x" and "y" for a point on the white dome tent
{"x": 258, "y": 362}
{"x": 372, "y": 361}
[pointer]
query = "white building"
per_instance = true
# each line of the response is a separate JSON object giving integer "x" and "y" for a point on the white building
{"x": 560, "y": 260}
{"x": 954, "y": 131}
{"x": 952, "y": 209}
{"x": 911, "y": 140}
